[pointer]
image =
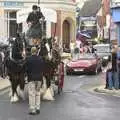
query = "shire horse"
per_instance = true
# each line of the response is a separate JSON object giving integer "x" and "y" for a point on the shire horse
{"x": 51, "y": 59}
{"x": 15, "y": 64}
{"x": 15, "y": 68}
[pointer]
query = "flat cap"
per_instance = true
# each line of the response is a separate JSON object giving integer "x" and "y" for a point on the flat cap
{"x": 33, "y": 50}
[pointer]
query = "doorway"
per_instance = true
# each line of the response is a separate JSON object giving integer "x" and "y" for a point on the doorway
{"x": 66, "y": 35}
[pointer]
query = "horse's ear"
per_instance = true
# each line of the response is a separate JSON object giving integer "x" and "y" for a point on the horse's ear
{"x": 44, "y": 40}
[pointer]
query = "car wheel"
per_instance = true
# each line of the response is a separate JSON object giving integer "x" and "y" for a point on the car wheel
{"x": 68, "y": 73}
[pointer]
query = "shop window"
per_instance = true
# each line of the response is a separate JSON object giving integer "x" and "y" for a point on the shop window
{"x": 12, "y": 24}
{"x": 20, "y": 27}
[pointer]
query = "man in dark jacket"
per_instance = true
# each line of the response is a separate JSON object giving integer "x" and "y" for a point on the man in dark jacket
{"x": 35, "y": 15}
{"x": 34, "y": 67}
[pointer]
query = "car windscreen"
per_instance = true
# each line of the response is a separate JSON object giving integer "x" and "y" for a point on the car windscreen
{"x": 84, "y": 57}
{"x": 102, "y": 49}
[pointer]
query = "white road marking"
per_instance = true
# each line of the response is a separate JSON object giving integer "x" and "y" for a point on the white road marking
{"x": 82, "y": 76}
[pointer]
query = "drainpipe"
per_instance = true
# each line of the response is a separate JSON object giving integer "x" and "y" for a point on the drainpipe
{"x": 118, "y": 29}
{"x": 38, "y": 2}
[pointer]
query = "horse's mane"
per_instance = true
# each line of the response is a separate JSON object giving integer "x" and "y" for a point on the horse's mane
{"x": 17, "y": 48}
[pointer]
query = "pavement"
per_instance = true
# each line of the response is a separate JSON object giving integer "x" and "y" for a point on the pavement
{"x": 102, "y": 90}
{"x": 4, "y": 83}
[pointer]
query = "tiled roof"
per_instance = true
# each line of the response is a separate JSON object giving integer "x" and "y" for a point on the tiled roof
{"x": 90, "y": 8}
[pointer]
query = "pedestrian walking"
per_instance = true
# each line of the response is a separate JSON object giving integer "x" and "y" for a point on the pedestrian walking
{"x": 34, "y": 68}
{"x": 72, "y": 46}
{"x": 118, "y": 64}
{"x": 76, "y": 53}
{"x": 61, "y": 76}
{"x": 92, "y": 49}
{"x": 115, "y": 68}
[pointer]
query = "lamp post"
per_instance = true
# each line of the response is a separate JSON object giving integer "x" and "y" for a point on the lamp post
{"x": 38, "y": 2}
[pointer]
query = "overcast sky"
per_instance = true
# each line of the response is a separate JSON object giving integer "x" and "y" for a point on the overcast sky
{"x": 81, "y": 2}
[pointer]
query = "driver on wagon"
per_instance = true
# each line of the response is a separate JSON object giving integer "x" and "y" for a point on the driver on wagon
{"x": 34, "y": 21}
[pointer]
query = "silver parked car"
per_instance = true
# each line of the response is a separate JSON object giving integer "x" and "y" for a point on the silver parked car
{"x": 104, "y": 52}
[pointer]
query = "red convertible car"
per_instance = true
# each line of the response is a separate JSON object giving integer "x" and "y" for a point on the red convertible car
{"x": 85, "y": 63}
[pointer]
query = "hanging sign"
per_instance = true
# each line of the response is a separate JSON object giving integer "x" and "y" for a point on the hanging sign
{"x": 13, "y": 4}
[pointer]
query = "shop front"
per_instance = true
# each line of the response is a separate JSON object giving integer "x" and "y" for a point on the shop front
{"x": 8, "y": 10}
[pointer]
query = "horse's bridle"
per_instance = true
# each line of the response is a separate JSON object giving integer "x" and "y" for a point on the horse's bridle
{"x": 46, "y": 45}
{"x": 19, "y": 50}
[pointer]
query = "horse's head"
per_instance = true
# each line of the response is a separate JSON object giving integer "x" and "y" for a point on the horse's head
{"x": 45, "y": 49}
{"x": 17, "y": 48}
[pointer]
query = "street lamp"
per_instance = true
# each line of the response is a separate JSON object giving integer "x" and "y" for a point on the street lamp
{"x": 38, "y": 2}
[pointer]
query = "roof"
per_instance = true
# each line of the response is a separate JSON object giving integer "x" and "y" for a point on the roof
{"x": 90, "y": 8}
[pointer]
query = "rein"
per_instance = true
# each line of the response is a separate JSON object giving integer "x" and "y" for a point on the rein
{"x": 39, "y": 50}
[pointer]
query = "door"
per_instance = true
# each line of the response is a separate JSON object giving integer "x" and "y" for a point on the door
{"x": 66, "y": 34}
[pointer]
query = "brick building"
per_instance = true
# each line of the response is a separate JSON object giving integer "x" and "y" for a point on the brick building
{"x": 103, "y": 18}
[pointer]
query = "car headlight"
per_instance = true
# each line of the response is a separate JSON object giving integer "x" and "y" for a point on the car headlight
{"x": 68, "y": 65}
{"x": 90, "y": 64}
{"x": 106, "y": 57}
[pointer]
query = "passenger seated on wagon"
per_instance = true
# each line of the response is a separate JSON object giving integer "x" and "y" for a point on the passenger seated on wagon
{"x": 33, "y": 20}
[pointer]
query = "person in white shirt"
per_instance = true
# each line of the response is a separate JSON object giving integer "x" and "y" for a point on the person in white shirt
{"x": 72, "y": 46}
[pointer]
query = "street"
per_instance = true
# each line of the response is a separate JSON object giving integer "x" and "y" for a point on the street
{"x": 77, "y": 102}
{"x": 43, "y": 36}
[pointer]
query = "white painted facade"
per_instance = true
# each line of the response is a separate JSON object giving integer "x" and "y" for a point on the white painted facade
{"x": 6, "y": 7}
{"x": 80, "y": 3}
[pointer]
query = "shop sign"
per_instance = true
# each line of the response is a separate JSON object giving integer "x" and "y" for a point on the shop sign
{"x": 13, "y": 4}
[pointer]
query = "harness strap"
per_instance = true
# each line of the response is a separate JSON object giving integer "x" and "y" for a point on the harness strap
{"x": 39, "y": 51}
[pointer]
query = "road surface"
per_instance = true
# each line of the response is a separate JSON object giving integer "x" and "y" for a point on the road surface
{"x": 77, "y": 102}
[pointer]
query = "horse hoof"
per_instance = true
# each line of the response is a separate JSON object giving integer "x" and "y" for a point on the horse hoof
{"x": 21, "y": 94}
{"x": 15, "y": 98}
{"x": 12, "y": 99}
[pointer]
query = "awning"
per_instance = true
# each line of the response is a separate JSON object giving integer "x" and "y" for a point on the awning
{"x": 49, "y": 14}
